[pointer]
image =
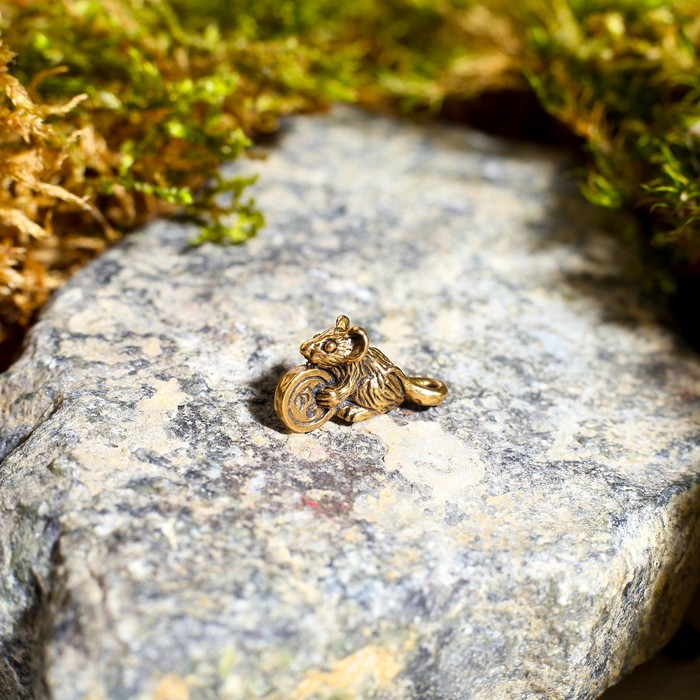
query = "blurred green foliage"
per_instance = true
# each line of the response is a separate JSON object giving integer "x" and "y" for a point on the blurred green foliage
{"x": 115, "y": 111}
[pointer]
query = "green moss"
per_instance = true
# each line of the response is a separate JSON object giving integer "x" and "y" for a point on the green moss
{"x": 158, "y": 94}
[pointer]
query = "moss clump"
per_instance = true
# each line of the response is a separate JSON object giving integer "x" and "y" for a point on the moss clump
{"x": 623, "y": 75}
{"x": 115, "y": 111}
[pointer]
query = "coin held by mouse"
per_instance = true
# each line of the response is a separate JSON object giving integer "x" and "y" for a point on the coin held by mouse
{"x": 345, "y": 377}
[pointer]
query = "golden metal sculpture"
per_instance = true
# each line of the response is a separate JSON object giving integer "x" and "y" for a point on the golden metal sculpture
{"x": 346, "y": 377}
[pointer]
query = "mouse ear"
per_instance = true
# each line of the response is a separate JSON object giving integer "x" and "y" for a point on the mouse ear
{"x": 359, "y": 341}
{"x": 342, "y": 323}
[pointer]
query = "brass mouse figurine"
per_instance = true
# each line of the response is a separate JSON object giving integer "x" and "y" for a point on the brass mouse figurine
{"x": 346, "y": 377}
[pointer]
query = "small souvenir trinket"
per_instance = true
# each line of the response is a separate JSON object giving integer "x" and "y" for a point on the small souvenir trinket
{"x": 346, "y": 377}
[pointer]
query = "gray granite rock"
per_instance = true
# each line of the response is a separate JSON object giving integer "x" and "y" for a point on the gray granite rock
{"x": 535, "y": 536}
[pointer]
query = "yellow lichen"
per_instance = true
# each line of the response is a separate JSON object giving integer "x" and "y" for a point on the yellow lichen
{"x": 369, "y": 667}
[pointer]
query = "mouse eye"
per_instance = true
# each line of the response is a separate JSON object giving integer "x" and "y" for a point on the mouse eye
{"x": 329, "y": 346}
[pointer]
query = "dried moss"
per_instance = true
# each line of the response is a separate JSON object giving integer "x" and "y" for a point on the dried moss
{"x": 115, "y": 111}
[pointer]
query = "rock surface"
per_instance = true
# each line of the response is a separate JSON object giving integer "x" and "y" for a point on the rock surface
{"x": 536, "y": 536}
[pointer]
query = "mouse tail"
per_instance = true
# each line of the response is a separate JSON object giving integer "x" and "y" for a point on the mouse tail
{"x": 424, "y": 391}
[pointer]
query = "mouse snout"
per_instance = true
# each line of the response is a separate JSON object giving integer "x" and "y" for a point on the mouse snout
{"x": 305, "y": 348}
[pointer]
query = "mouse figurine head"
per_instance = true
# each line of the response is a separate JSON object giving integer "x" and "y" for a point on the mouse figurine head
{"x": 336, "y": 346}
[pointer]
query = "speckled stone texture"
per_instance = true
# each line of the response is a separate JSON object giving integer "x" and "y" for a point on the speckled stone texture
{"x": 536, "y": 536}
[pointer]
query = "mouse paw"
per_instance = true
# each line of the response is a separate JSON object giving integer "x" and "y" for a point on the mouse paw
{"x": 327, "y": 398}
{"x": 355, "y": 414}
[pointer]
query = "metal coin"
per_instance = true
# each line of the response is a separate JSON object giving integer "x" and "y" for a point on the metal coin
{"x": 295, "y": 399}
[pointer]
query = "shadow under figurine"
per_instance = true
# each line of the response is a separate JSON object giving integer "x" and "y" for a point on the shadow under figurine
{"x": 347, "y": 378}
